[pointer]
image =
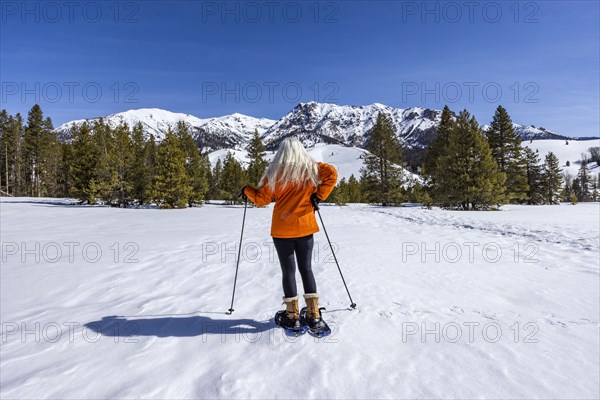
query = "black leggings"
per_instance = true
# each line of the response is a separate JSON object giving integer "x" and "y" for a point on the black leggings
{"x": 286, "y": 248}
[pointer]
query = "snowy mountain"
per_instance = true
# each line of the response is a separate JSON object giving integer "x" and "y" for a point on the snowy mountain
{"x": 351, "y": 125}
{"x": 230, "y": 131}
{"x": 154, "y": 121}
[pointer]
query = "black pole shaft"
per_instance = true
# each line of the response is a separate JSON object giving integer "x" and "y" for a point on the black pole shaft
{"x": 352, "y": 303}
{"x": 238, "y": 258}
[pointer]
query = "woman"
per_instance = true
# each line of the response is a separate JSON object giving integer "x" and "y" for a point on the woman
{"x": 295, "y": 182}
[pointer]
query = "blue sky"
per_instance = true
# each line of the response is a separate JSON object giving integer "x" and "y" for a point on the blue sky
{"x": 540, "y": 60}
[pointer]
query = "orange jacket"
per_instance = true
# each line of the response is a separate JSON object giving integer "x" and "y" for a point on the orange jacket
{"x": 293, "y": 214}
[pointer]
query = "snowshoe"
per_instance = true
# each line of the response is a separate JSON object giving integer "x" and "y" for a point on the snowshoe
{"x": 316, "y": 326}
{"x": 292, "y": 327}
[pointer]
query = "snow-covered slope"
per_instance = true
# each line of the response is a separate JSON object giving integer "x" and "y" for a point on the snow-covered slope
{"x": 347, "y": 160}
{"x": 451, "y": 304}
{"x": 566, "y": 152}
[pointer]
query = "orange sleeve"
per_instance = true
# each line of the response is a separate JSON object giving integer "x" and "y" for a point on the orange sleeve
{"x": 328, "y": 177}
{"x": 261, "y": 196}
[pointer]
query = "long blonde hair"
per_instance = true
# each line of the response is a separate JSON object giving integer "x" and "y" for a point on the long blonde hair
{"x": 291, "y": 165}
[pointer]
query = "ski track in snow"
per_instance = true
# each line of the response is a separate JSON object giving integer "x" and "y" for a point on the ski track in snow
{"x": 163, "y": 331}
{"x": 551, "y": 236}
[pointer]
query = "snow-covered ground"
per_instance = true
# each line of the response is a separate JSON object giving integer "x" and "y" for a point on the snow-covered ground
{"x": 131, "y": 303}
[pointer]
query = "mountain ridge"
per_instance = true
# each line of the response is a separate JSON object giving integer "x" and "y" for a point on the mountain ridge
{"x": 311, "y": 122}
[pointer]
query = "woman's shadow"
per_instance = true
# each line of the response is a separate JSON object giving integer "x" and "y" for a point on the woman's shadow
{"x": 166, "y": 326}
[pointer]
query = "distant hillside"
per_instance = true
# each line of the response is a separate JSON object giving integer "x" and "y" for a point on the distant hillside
{"x": 570, "y": 152}
{"x": 346, "y": 160}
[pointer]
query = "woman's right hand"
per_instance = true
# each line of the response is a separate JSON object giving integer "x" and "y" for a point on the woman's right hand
{"x": 315, "y": 200}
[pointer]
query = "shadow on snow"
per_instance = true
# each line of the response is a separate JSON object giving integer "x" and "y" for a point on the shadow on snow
{"x": 163, "y": 326}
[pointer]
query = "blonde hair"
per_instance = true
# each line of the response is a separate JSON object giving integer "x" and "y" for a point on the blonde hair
{"x": 291, "y": 165}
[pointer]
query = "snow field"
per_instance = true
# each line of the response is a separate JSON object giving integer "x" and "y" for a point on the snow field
{"x": 450, "y": 304}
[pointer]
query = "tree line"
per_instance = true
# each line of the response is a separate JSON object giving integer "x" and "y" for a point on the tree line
{"x": 469, "y": 168}
{"x": 117, "y": 166}
{"x": 465, "y": 168}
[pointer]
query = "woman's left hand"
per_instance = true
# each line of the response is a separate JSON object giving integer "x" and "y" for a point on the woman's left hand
{"x": 243, "y": 195}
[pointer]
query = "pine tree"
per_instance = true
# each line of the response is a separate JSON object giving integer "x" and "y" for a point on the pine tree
{"x": 552, "y": 179}
{"x": 208, "y": 173}
{"x": 567, "y": 191}
{"x": 381, "y": 175}
{"x": 139, "y": 173}
{"x": 583, "y": 176}
{"x": 31, "y": 150}
{"x": 51, "y": 162}
{"x": 41, "y": 152}
{"x": 214, "y": 186}
{"x": 340, "y": 195}
{"x": 6, "y": 142}
{"x": 171, "y": 185}
{"x": 150, "y": 150}
{"x": 437, "y": 154}
{"x": 50, "y": 159}
{"x": 595, "y": 189}
{"x": 85, "y": 158}
{"x": 232, "y": 179}
{"x": 65, "y": 178}
{"x": 20, "y": 171}
{"x": 573, "y": 199}
{"x": 10, "y": 152}
{"x": 417, "y": 193}
{"x": 258, "y": 164}
{"x": 575, "y": 188}
{"x": 508, "y": 153}
{"x": 194, "y": 165}
{"x": 594, "y": 154}
{"x": 438, "y": 146}
{"x": 354, "y": 195}
{"x": 104, "y": 183}
{"x": 122, "y": 156}
{"x": 534, "y": 174}
{"x": 470, "y": 179}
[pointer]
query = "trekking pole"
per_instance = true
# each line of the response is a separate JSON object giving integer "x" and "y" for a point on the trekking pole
{"x": 353, "y": 304}
{"x": 239, "y": 254}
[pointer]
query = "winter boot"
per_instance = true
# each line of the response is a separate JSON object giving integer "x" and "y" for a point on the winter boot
{"x": 289, "y": 319}
{"x": 311, "y": 316}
